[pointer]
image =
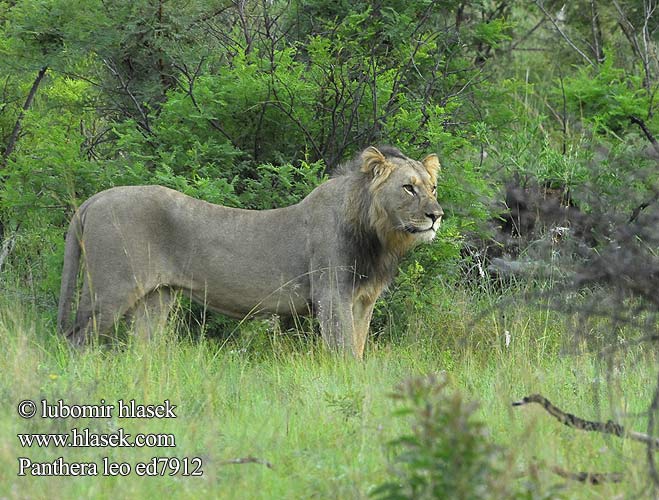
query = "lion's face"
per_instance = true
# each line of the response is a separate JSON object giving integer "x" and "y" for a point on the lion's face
{"x": 409, "y": 199}
{"x": 404, "y": 195}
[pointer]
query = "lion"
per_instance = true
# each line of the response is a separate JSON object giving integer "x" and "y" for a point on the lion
{"x": 331, "y": 255}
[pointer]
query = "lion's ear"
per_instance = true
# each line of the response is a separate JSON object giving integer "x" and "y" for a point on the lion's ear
{"x": 373, "y": 162}
{"x": 432, "y": 166}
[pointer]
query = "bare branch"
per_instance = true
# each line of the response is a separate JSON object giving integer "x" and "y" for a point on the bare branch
{"x": 649, "y": 9}
{"x": 126, "y": 89}
{"x": 597, "y": 32}
{"x": 247, "y": 460}
{"x": 7, "y": 247}
{"x": 249, "y": 39}
{"x": 628, "y": 29}
{"x": 13, "y": 139}
{"x": 589, "y": 477}
{"x": 575, "y": 422}
{"x": 522, "y": 39}
{"x": 191, "y": 78}
{"x": 646, "y": 131}
{"x": 563, "y": 34}
{"x": 643, "y": 53}
{"x": 652, "y": 411}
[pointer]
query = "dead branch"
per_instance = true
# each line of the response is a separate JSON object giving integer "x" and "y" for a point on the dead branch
{"x": 125, "y": 86}
{"x": 637, "y": 211}
{"x": 630, "y": 32}
{"x": 7, "y": 247}
{"x": 247, "y": 460}
{"x": 646, "y": 131}
{"x": 597, "y": 33}
{"x": 523, "y": 39}
{"x": 570, "y": 420}
{"x": 13, "y": 139}
{"x": 191, "y": 77}
{"x": 654, "y": 406}
{"x": 563, "y": 34}
{"x": 589, "y": 477}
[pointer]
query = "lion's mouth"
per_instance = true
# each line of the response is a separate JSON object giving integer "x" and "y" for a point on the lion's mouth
{"x": 419, "y": 230}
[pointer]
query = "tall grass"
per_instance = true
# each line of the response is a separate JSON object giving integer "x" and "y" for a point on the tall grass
{"x": 320, "y": 420}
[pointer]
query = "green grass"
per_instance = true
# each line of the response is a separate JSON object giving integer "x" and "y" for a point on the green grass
{"x": 322, "y": 421}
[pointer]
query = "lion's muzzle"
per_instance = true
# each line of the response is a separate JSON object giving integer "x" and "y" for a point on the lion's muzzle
{"x": 427, "y": 229}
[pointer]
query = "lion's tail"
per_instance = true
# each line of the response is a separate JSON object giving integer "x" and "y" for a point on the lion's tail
{"x": 72, "y": 251}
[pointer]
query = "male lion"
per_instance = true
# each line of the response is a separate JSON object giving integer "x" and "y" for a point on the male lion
{"x": 332, "y": 254}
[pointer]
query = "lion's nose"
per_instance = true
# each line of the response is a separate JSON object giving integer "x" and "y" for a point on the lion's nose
{"x": 435, "y": 214}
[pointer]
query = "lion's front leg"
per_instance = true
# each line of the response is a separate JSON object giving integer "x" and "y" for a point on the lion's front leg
{"x": 362, "y": 311}
{"x": 344, "y": 322}
{"x": 332, "y": 301}
{"x": 333, "y": 293}
{"x": 334, "y": 314}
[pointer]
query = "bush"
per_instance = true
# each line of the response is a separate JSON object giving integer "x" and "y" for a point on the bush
{"x": 448, "y": 453}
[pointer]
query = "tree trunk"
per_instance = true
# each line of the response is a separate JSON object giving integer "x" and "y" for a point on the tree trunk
{"x": 11, "y": 144}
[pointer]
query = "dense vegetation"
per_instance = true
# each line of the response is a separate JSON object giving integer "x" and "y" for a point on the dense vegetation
{"x": 252, "y": 104}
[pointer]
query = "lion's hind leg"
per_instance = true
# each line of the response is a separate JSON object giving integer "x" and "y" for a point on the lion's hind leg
{"x": 89, "y": 318}
{"x": 101, "y": 308}
{"x": 149, "y": 315}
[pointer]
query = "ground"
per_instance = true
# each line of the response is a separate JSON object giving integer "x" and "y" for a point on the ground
{"x": 322, "y": 422}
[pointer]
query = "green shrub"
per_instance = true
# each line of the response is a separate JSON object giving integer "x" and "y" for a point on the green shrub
{"x": 448, "y": 452}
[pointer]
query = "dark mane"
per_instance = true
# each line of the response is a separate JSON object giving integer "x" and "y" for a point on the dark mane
{"x": 373, "y": 262}
{"x": 354, "y": 164}
{"x": 391, "y": 152}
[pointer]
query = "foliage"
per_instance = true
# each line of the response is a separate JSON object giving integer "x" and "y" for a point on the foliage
{"x": 606, "y": 97}
{"x": 322, "y": 421}
{"x": 448, "y": 452}
{"x": 252, "y": 104}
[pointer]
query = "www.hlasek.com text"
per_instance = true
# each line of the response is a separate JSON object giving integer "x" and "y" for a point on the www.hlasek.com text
{"x": 85, "y": 438}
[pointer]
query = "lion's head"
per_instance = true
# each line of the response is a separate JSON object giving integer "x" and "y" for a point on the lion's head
{"x": 403, "y": 206}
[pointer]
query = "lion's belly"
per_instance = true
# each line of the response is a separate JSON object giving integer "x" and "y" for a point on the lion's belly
{"x": 238, "y": 301}
{"x": 253, "y": 272}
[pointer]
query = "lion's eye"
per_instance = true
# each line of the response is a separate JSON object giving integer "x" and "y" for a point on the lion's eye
{"x": 434, "y": 190}
{"x": 410, "y": 189}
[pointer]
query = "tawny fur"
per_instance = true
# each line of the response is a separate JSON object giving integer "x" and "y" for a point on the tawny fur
{"x": 330, "y": 255}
